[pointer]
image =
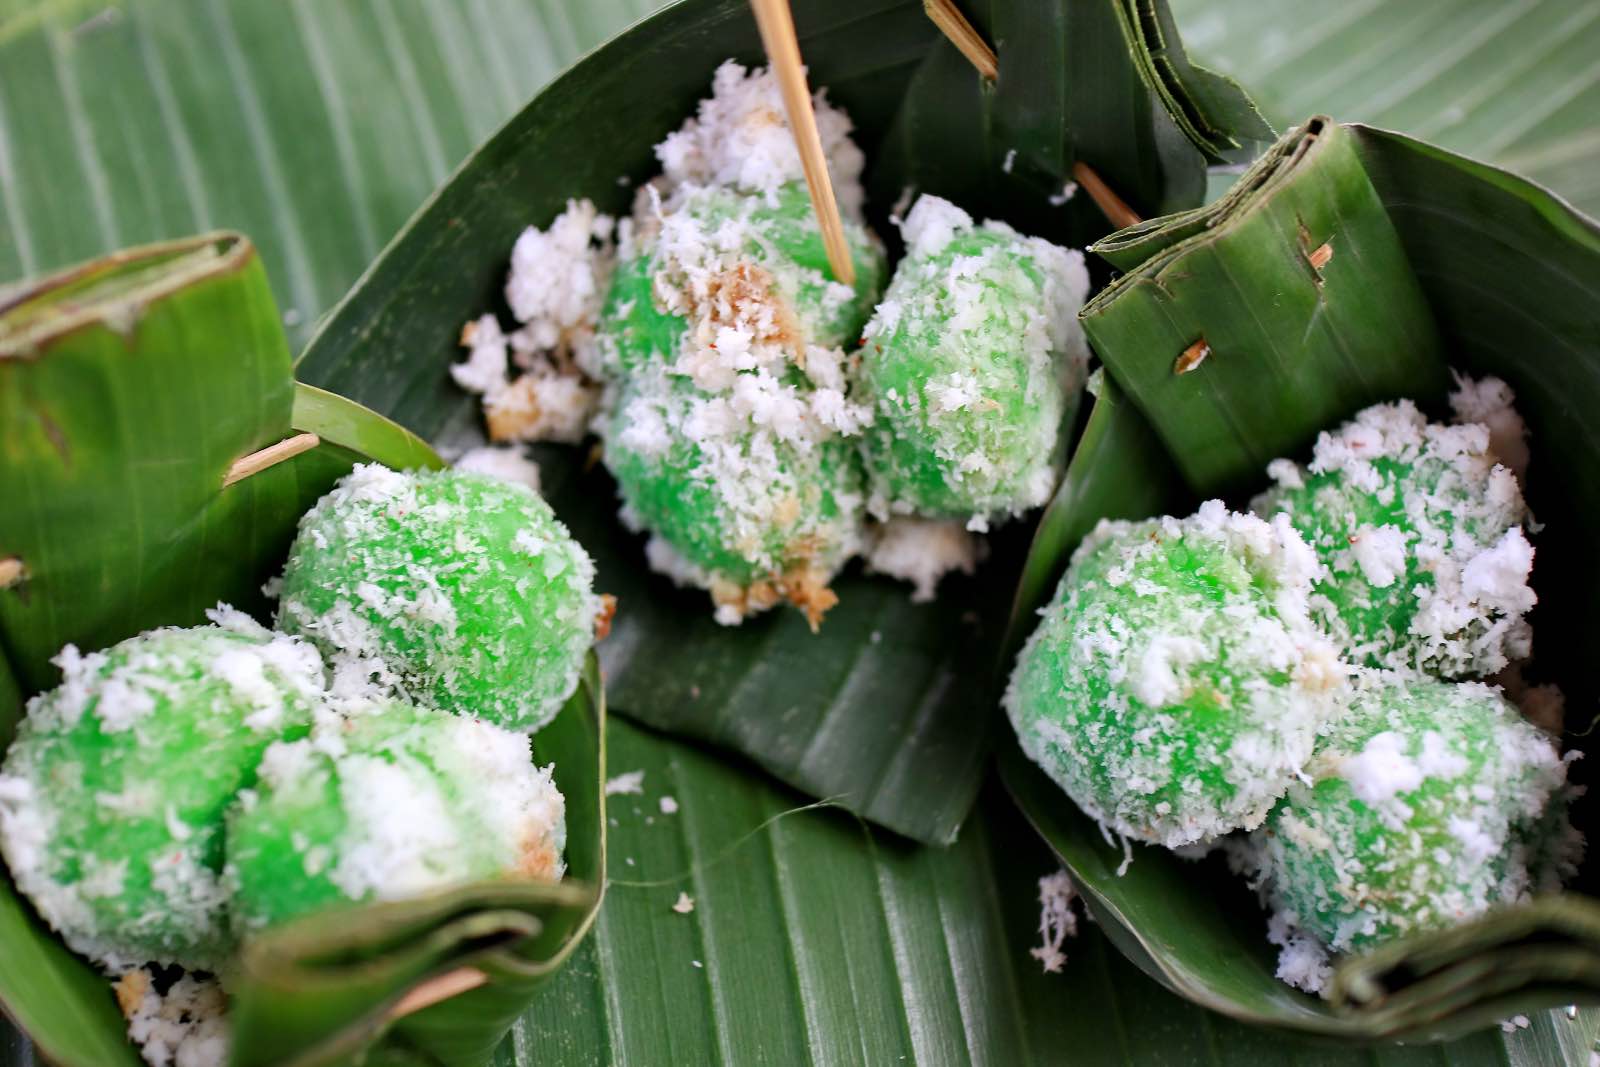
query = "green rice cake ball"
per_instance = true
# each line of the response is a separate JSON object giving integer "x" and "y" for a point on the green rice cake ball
{"x": 1426, "y": 803}
{"x": 1420, "y": 528}
{"x": 741, "y": 495}
{"x": 973, "y": 364}
{"x": 1176, "y": 683}
{"x": 112, "y": 797}
{"x": 467, "y": 588}
{"x": 727, "y": 282}
{"x": 387, "y": 802}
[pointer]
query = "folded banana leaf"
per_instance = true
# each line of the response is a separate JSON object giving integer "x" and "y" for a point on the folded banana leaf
{"x": 1348, "y": 266}
{"x": 884, "y": 710}
{"x": 131, "y": 388}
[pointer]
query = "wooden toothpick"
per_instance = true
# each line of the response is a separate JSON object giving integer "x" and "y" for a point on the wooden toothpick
{"x": 776, "y": 23}
{"x": 1110, "y": 204}
{"x": 256, "y": 462}
{"x": 954, "y": 25}
{"x": 447, "y": 985}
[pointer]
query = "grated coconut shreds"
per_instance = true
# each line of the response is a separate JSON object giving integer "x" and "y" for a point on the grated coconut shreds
{"x": 465, "y": 588}
{"x": 506, "y": 462}
{"x": 970, "y": 363}
{"x": 112, "y": 796}
{"x": 728, "y": 419}
{"x": 550, "y": 400}
{"x": 386, "y": 801}
{"x": 187, "y": 1026}
{"x": 1490, "y": 402}
{"x": 1420, "y": 528}
{"x": 739, "y": 138}
{"x": 1176, "y": 683}
{"x": 1057, "y": 920}
{"x": 922, "y": 551}
{"x": 1426, "y": 803}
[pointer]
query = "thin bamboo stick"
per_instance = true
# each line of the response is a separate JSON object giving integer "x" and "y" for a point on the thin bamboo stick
{"x": 1110, "y": 204}
{"x": 256, "y": 462}
{"x": 776, "y": 23}
{"x": 954, "y": 25}
{"x": 447, "y": 985}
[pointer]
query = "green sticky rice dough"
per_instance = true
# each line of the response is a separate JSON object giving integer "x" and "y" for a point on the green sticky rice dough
{"x": 466, "y": 588}
{"x": 726, "y": 424}
{"x": 1175, "y": 684}
{"x": 1424, "y": 805}
{"x": 973, "y": 364}
{"x": 112, "y": 797}
{"x": 385, "y": 802}
{"x": 633, "y": 331}
{"x": 721, "y": 237}
{"x": 1419, "y": 527}
{"x": 734, "y": 509}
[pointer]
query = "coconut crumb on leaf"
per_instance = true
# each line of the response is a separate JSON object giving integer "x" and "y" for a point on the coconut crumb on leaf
{"x": 1303, "y": 961}
{"x": 1490, "y": 402}
{"x": 186, "y": 1026}
{"x": 558, "y": 278}
{"x": 509, "y": 463}
{"x": 1057, "y": 920}
{"x": 544, "y": 404}
{"x": 625, "y": 784}
{"x": 922, "y": 551}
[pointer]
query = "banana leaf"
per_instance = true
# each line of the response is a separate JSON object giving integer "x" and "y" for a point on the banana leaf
{"x": 1251, "y": 253}
{"x": 1435, "y": 257}
{"x": 1511, "y": 84}
{"x": 884, "y": 710}
{"x": 1076, "y": 83}
{"x": 938, "y": 979}
{"x": 129, "y": 388}
{"x": 815, "y": 938}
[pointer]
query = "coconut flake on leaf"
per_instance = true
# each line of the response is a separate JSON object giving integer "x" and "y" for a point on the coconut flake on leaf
{"x": 739, "y": 137}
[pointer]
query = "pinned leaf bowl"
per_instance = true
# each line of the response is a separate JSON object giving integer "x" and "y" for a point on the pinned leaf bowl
{"x": 1348, "y": 266}
{"x": 151, "y": 425}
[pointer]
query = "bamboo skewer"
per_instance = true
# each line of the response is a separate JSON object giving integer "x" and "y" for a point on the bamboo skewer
{"x": 256, "y": 462}
{"x": 954, "y": 25}
{"x": 447, "y": 985}
{"x": 776, "y": 23}
{"x": 1110, "y": 204}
